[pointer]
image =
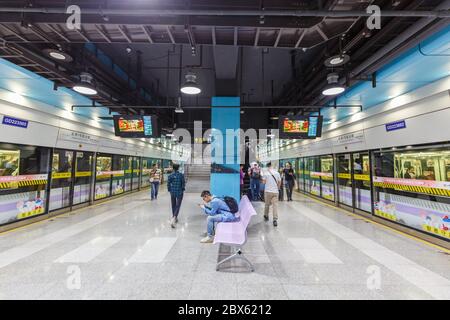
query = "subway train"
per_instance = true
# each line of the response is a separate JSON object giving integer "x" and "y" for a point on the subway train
{"x": 37, "y": 181}
{"x": 62, "y": 161}
{"x": 399, "y": 178}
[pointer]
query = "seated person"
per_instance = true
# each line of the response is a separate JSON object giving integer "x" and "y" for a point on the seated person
{"x": 217, "y": 211}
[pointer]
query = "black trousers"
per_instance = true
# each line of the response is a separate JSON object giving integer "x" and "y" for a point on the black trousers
{"x": 289, "y": 188}
{"x": 176, "y": 204}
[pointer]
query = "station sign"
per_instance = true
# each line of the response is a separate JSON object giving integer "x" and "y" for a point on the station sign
{"x": 397, "y": 125}
{"x": 15, "y": 122}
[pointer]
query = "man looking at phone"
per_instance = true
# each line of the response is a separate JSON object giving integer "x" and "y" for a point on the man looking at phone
{"x": 217, "y": 211}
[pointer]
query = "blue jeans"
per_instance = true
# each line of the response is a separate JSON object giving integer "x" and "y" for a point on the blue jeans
{"x": 254, "y": 187}
{"x": 176, "y": 204}
{"x": 211, "y": 220}
{"x": 154, "y": 189}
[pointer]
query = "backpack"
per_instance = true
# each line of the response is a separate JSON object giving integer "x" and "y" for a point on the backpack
{"x": 232, "y": 204}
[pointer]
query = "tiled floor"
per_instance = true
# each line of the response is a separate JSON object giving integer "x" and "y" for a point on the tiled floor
{"x": 125, "y": 249}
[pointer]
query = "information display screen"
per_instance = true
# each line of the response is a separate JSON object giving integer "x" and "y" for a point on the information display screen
{"x": 300, "y": 127}
{"x": 136, "y": 126}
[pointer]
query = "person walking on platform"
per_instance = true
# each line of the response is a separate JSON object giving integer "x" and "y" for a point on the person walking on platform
{"x": 176, "y": 186}
{"x": 155, "y": 180}
{"x": 254, "y": 173}
{"x": 281, "y": 191}
{"x": 289, "y": 180}
{"x": 272, "y": 182}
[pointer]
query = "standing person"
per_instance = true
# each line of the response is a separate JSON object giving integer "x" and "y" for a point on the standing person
{"x": 217, "y": 211}
{"x": 289, "y": 180}
{"x": 272, "y": 182}
{"x": 155, "y": 180}
{"x": 281, "y": 191}
{"x": 242, "y": 174}
{"x": 176, "y": 185}
{"x": 255, "y": 176}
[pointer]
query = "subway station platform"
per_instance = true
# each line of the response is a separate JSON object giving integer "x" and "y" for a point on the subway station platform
{"x": 126, "y": 249}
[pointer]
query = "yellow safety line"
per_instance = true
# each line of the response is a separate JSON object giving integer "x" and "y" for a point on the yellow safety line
{"x": 59, "y": 215}
{"x": 436, "y": 246}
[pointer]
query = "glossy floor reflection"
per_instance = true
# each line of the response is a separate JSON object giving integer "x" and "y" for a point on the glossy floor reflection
{"x": 126, "y": 249}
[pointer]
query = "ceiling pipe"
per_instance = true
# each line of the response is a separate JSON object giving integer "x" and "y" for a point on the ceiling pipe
{"x": 273, "y": 13}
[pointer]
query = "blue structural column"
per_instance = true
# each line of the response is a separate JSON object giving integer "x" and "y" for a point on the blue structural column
{"x": 225, "y": 177}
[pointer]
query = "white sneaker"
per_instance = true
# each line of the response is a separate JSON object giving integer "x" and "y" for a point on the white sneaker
{"x": 207, "y": 239}
{"x": 172, "y": 224}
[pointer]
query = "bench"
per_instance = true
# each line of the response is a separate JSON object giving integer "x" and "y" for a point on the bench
{"x": 234, "y": 234}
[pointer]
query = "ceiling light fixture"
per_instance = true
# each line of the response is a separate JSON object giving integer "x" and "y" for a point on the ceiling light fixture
{"x": 190, "y": 86}
{"x": 58, "y": 55}
{"x": 337, "y": 60}
{"x": 86, "y": 85}
{"x": 333, "y": 87}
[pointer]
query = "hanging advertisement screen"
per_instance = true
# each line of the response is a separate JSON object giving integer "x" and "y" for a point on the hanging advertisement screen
{"x": 300, "y": 127}
{"x": 136, "y": 126}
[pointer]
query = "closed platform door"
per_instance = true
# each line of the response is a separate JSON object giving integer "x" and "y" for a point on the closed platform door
{"x": 361, "y": 181}
{"x": 83, "y": 177}
{"x": 61, "y": 187}
{"x": 344, "y": 179}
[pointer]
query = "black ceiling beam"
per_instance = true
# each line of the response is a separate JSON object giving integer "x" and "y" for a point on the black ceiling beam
{"x": 230, "y": 13}
{"x": 270, "y": 22}
{"x": 209, "y": 107}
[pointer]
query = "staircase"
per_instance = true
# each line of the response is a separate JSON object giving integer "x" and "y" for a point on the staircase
{"x": 198, "y": 177}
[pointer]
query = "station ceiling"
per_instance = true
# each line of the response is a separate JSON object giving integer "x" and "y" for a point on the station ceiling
{"x": 276, "y": 62}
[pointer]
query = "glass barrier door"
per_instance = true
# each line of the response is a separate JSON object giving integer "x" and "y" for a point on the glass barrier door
{"x": 300, "y": 172}
{"x": 83, "y": 177}
{"x": 327, "y": 177}
{"x": 136, "y": 172}
{"x": 128, "y": 169}
{"x": 146, "y": 168}
{"x": 344, "y": 176}
{"x": 103, "y": 175}
{"x": 118, "y": 174}
{"x": 361, "y": 181}
{"x": 61, "y": 187}
{"x": 315, "y": 176}
{"x": 307, "y": 174}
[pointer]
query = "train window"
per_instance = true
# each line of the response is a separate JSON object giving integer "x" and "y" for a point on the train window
{"x": 412, "y": 187}
{"x": 423, "y": 165}
{"x": 23, "y": 181}
{"x": 9, "y": 162}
